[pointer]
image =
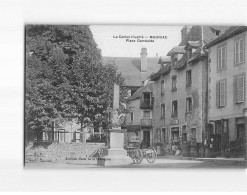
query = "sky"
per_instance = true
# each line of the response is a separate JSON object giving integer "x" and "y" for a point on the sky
{"x": 113, "y": 39}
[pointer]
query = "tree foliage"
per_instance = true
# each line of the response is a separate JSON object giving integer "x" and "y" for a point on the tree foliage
{"x": 65, "y": 77}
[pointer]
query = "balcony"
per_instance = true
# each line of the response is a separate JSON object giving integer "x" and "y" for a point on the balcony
{"x": 146, "y": 122}
{"x": 146, "y": 103}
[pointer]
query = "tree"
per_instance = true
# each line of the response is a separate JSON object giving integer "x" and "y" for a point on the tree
{"x": 65, "y": 78}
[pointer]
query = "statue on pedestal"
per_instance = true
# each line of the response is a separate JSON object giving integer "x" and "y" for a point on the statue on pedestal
{"x": 116, "y": 154}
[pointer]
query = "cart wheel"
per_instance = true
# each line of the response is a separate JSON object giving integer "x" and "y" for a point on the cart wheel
{"x": 151, "y": 154}
{"x": 137, "y": 155}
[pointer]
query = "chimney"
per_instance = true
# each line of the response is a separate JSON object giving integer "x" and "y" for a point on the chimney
{"x": 184, "y": 32}
{"x": 144, "y": 65}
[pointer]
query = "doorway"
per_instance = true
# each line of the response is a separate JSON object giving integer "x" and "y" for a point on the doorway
{"x": 163, "y": 135}
{"x": 175, "y": 134}
{"x": 146, "y": 139}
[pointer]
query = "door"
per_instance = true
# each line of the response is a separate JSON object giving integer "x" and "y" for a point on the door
{"x": 175, "y": 134}
{"x": 146, "y": 139}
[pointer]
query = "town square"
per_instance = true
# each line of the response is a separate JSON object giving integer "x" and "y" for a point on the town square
{"x": 133, "y": 96}
{"x": 186, "y": 105}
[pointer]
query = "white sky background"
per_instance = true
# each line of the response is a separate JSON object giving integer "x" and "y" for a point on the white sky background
{"x": 103, "y": 35}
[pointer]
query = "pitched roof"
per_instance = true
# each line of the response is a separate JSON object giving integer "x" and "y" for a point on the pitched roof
{"x": 130, "y": 68}
{"x": 164, "y": 60}
{"x": 232, "y": 31}
{"x": 177, "y": 49}
{"x": 162, "y": 71}
{"x": 146, "y": 88}
{"x": 192, "y": 44}
{"x": 195, "y": 33}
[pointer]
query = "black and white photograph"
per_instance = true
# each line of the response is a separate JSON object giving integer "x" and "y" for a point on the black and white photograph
{"x": 111, "y": 96}
{"x": 135, "y": 96}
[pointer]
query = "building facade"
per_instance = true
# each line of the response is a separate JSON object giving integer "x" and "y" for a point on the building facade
{"x": 140, "y": 119}
{"x": 227, "y": 107}
{"x": 180, "y": 92}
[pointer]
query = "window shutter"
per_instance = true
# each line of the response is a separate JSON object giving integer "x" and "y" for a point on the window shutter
{"x": 218, "y": 59}
{"x": 235, "y": 90}
{"x": 223, "y": 57}
{"x": 236, "y": 52}
{"x": 242, "y": 50}
{"x": 222, "y": 93}
{"x": 217, "y": 94}
{"x": 240, "y": 89}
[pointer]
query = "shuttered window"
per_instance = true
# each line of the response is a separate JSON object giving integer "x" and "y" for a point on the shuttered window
{"x": 162, "y": 110}
{"x": 239, "y": 51}
{"x": 221, "y": 58}
{"x": 221, "y": 93}
{"x": 239, "y": 88}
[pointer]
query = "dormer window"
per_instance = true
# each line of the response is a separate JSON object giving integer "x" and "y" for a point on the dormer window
{"x": 175, "y": 56}
{"x": 193, "y": 50}
{"x": 180, "y": 55}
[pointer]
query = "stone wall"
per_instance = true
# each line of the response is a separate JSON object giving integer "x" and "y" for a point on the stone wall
{"x": 60, "y": 151}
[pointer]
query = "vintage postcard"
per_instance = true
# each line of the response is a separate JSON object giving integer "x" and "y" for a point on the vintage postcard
{"x": 135, "y": 96}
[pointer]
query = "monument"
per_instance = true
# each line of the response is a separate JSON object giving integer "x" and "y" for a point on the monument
{"x": 116, "y": 154}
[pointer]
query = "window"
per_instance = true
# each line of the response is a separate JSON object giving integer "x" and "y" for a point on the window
{"x": 240, "y": 131}
{"x": 174, "y": 83}
{"x": 184, "y": 128}
{"x": 174, "y": 108}
{"x": 132, "y": 116}
{"x": 146, "y": 114}
{"x": 175, "y": 57}
{"x": 221, "y": 58}
{"x": 188, "y": 104}
{"x": 240, "y": 127}
{"x": 162, "y": 110}
{"x": 225, "y": 126}
{"x": 184, "y": 137}
{"x": 239, "y": 89}
{"x": 188, "y": 78}
{"x": 239, "y": 53}
{"x": 146, "y": 100}
{"x": 162, "y": 87}
{"x": 221, "y": 93}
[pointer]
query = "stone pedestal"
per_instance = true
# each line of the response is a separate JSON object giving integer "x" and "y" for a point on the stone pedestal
{"x": 116, "y": 155}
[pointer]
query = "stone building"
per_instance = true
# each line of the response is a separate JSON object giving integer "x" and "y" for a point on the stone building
{"x": 135, "y": 70}
{"x": 227, "y": 107}
{"x": 180, "y": 90}
{"x": 139, "y": 121}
